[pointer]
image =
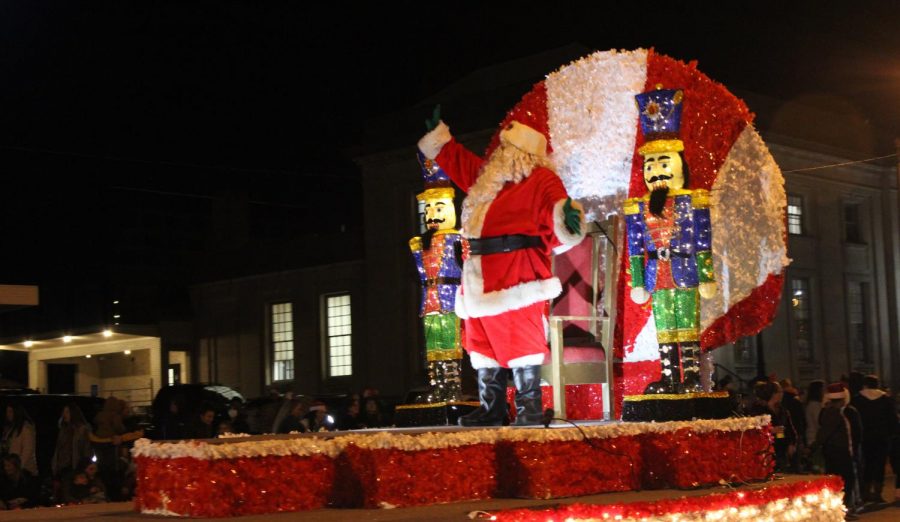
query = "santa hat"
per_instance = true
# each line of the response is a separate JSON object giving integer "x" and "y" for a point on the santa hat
{"x": 526, "y": 126}
{"x": 837, "y": 390}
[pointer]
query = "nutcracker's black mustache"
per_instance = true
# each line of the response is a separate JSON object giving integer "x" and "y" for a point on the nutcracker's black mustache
{"x": 661, "y": 177}
{"x": 434, "y": 221}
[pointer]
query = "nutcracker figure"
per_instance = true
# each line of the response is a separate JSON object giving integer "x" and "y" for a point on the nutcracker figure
{"x": 438, "y": 254}
{"x": 669, "y": 243}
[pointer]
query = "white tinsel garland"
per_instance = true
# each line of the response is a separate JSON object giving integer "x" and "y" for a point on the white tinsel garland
{"x": 309, "y": 446}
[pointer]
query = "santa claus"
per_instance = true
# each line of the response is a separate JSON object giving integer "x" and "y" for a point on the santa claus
{"x": 516, "y": 214}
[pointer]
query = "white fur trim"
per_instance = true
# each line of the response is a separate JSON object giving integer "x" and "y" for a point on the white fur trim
{"x": 535, "y": 359}
{"x": 525, "y": 138}
{"x": 458, "y": 305}
{"x": 565, "y": 237}
{"x": 482, "y": 361}
{"x": 474, "y": 302}
{"x": 871, "y": 394}
{"x": 432, "y": 143}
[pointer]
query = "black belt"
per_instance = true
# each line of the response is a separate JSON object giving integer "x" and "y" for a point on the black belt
{"x": 442, "y": 281}
{"x": 665, "y": 254}
{"x": 498, "y": 244}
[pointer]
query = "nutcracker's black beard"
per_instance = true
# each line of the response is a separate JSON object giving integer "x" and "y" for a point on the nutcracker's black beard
{"x": 426, "y": 238}
{"x": 658, "y": 200}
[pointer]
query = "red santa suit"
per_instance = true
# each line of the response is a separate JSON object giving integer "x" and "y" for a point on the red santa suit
{"x": 504, "y": 296}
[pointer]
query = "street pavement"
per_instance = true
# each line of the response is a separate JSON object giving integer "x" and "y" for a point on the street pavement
{"x": 459, "y": 511}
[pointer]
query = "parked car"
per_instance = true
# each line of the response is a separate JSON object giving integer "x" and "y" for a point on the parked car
{"x": 189, "y": 398}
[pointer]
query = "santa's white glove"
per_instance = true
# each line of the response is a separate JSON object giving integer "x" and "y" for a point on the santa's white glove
{"x": 640, "y": 295}
{"x": 708, "y": 289}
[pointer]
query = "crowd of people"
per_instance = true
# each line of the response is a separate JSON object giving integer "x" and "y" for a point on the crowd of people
{"x": 848, "y": 428}
{"x": 277, "y": 413}
{"x": 91, "y": 462}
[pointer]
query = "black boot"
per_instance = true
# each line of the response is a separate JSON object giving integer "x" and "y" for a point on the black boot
{"x": 690, "y": 361}
{"x": 670, "y": 382}
{"x": 529, "y": 410}
{"x": 492, "y": 394}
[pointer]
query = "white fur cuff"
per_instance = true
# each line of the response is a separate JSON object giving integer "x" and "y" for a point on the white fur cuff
{"x": 565, "y": 237}
{"x": 535, "y": 359}
{"x": 482, "y": 361}
{"x": 432, "y": 143}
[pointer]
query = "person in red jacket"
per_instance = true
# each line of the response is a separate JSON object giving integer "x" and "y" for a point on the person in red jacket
{"x": 515, "y": 215}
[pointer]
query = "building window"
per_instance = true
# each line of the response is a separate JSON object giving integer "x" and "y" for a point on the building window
{"x": 859, "y": 326}
{"x": 282, "y": 342}
{"x": 800, "y": 315}
{"x": 338, "y": 326}
{"x": 795, "y": 214}
{"x": 852, "y": 224}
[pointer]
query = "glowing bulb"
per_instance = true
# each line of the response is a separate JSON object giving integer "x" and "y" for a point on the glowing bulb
{"x": 29, "y": 343}
{"x": 67, "y": 338}
{"x": 88, "y": 356}
{"x": 107, "y": 333}
{"x": 127, "y": 352}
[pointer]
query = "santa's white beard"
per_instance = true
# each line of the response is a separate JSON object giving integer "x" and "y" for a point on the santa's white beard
{"x": 506, "y": 164}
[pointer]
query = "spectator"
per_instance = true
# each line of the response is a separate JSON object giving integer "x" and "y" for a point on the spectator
{"x": 128, "y": 473}
{"x": 317, "y": 416}
{"x": 19, "y": 437}
{"x": 791, "y": 402}
{"x": 834, "y": 437}
{"x": 768, "y": 396}
{"x": 265, "y": 419}
{"x": 73, "y": 443}
{"x": 294, "y": 421}
{"x": 284, "y": 408}
{"x": 85, "y": 485}
{"x": 349, "y": 418}
{"x": 856, "y": 431}
{"x": 855, "y": 384}
{"x": 879, "y": 419}
{"x": 237, "y": 417}
{"x": 110, "y": 426}
{"x": 895, "y": 459}
{"x": 203, "y": 426}
{"x": 371, "y": 416}
{"x": 18, "y": 488}
{"x": 815, "y": 394}
{"x": 173, "y": 424}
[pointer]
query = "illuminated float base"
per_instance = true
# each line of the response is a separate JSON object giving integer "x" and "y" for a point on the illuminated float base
{"x": 437, "y": 414}
{"x": 680, "y": 407}
{"x": 408, "y": 467}
{"x": 795, "y": 498}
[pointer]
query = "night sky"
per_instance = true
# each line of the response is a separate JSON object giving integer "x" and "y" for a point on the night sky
{"x": 108, "y": 106}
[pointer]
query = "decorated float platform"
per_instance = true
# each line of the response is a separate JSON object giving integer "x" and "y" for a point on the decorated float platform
{"x": 419, "y": 467}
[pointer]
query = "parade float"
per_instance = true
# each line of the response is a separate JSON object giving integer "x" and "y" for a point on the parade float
{"x": 602, "y": 121}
